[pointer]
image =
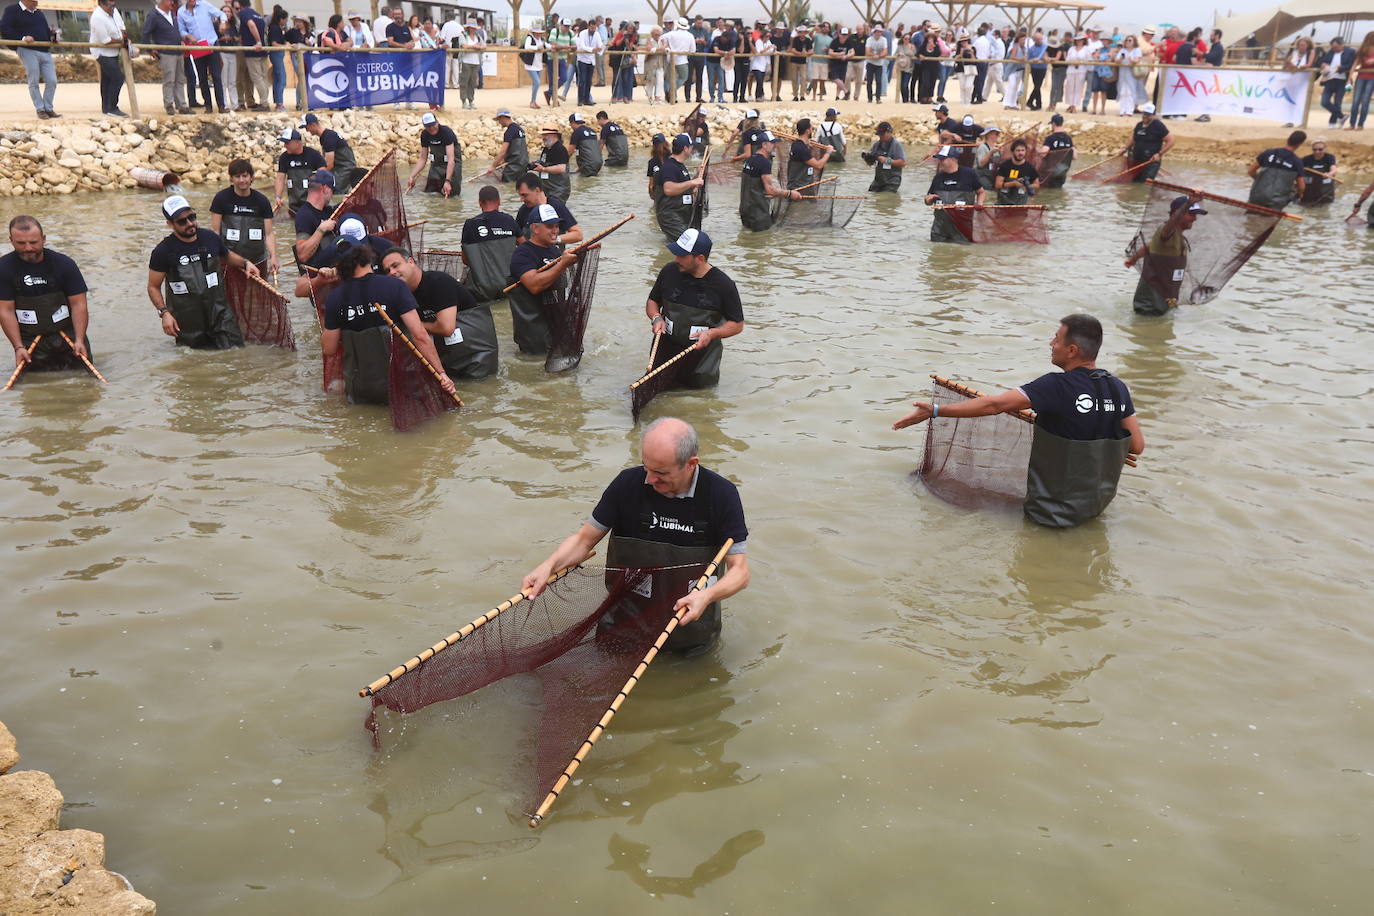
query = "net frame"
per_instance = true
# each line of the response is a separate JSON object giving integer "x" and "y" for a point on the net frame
{"x": 1231, "y": 234}
{"x": 663, "y": 373}
{"x": 976, "y": 462}
{"x": 259, "y": 308}
{"x": 567, "y": 315}
{"x": 443, "y": 259}
{"x": 990, "y": 224}
{"x": 413, "y": 393}
{"x": 379, "y": 201}
{"x": 724, "y": 172}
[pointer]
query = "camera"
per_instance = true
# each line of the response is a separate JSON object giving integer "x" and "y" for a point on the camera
{"x": 868, "y": 158}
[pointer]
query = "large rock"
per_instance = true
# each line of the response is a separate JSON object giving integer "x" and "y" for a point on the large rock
{"x": 9, "y": 753}
{"x": 29, "y": 803}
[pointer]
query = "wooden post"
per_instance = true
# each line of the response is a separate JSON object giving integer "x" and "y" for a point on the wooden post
{"x": 1307, "y": 102}
{"x": 128, "y": 68}
{"x": 301, "y": 103}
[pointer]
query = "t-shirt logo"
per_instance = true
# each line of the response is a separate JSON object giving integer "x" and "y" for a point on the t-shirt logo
{"x": 31, "y": 280}
{"x": 1084, "y": 403}
{"x": 482, "y": 231}
{"x": 185, "y": 259}
{"x": 669, "y": 524}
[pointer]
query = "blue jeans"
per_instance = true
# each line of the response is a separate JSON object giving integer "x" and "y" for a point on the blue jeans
{"x": 715, "y": 81}
{"x": 1359, "y": 108}
{"x": 278, "y": 77}
{"x": 624, "y": 83}
{"x": 945, "y": 71}
{"x": 534, "y": 85}
{"x": 38, "y": 65}
{"x": 585, "y": 72}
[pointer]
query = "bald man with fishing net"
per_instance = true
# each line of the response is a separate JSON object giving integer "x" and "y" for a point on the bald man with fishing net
{"x": 668, "y": 511}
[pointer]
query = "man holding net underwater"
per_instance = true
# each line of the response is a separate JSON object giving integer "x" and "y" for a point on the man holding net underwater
{"x": 670, "y": 510}
{"x": 1166, "y": 258}
{"x": 1085, "y": 424}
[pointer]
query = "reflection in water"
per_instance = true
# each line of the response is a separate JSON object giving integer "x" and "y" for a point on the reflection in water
{"x": 633, "y": 860}
{"x": 1148, "y": 365}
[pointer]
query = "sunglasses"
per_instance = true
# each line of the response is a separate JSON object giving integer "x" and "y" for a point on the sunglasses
{"x": 184, "y": 220}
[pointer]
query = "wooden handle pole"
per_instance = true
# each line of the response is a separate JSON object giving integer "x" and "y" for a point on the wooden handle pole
{"x": 413, "y": 349}
{"x": 492, "y": 170}
{"x": 814, "y": 183}
{"x": 664, "y": 365}
{"x": 1126, "y": 172}
{"x": 585, "y": 246}
{"x": 1322, "y": 174}
{"x": 459, "y": 635}
{"x": 18, "y": 370}
{"x": 1094, "y": 165}
{"x": 1253, "y": 208}
{"x": 811, "y": 143}
{"x": 653, "y": 351}
{"x": 343, "y": 203}
{"x": 267, "y": 286}
{"x": 600, "y": 728}
{"x": 1027, "y": 415}
{"x": 85, "y": 359}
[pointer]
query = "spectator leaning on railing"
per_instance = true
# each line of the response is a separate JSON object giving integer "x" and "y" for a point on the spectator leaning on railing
{"x": 24, "y": 22}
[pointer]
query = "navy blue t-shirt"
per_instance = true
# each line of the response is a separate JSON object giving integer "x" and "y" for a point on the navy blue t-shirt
{"x": 485, "y": 227}
{"x": 399, "y": 32}
{"x": 653, "y": 168}
{"x": 610, "y": 129}
{"x": 331, "y": 141}
{"x": 1148, "y": 139}
{"x": 672, "y": 170}
{"x": 512, "y": 133}
{"x": 801, "y": 151}
{"x": 714, "y": 292}
{"x": 629, "y": 507}
{"x": 966, "y": 179}
{"x": 349, "y": 305}
{"x": 227, "y": 202}
{"x": 757, "y": 164}
{"x": 565, "y": 218}
{"x": 56, "y": 273}
{"x": 1059, "y": 140}
{"x": 1078, "y": 405}
{"x": 308, "y": 219}
{"x": 1280, "y": 157}
{"x": 171, "y": 250}
{"x": 530, "y": 256}
{"x": 308, "y": 158}
{"x": 443, "y": 137}
{"x": 438, "y": 291}
{"x": 582, "y": 132}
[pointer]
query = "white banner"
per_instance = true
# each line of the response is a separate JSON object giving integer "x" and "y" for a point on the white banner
{"x": 1267, "y": 95}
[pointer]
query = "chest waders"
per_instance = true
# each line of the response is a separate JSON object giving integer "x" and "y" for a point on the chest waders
{"x": 246, "y": 236}
{"x": 345, "y": 169}
{"x": 1161, "y": 279}
{"x": 438, "y": 168}
{"x": 47, "y": 314}
{"x": 517, "y": 160}
{"x": 886, "y": 176}
{"x": 754, "y": 210}
{"x": 589, "y": 159}
{"x": 555, "y": 185}
{"x": 618, "y": 149}
{"x": 987, "y": 175}
{"x": 297, "y": 180}
{"x": 1319, "y": 190}
{"x": 682, "y": 317}
{"x": 1014, "y": 197}
{"x": 674, "y": 212}
{"x": 527, "y": 315}
{"x": 942, "y": 228}
{"x": 799, "y": 173}
{"x": 489, "y": 267}
{"x": 195, "y": 293}
{"x": 697, "y": 636}
{"x": 655, "y": 189}
{"x": 1070, "y": 481}
{"x": 832, "y": 138}
{"x": 471, "y": 350}
{"x": 1273, "y": 187}
{"x": 367, "y": 365}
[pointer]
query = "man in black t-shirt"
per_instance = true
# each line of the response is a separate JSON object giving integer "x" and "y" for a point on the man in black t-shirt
{"x": 1150, "y": 140}
{"x": 1278, "y": 174}
{"x": 1056, "y": 154}
{"x": 338, "y": 155}
{"x": 42, "y": 297}
{"x": 531, "y": 191}
{"x": 1319, "y": 170}
{"x": 614, "y": 144}
{"x": 694, "y": 305}
{"x": 460, "y": 327}
{"x": 398, "y": 34}
{"x": 294, "y": 167}
{"x": 1085, "y": 424}
{"x": 243, "y": 217}
{"x": 193, "y": 307}
{"x": 440, "y": 152}
{"x": 802, "y": 45}
{"x": 513, "y": 155}
{"x": 314, "y": 226}
{"x": 954, "y": 185}
{"x": 489, "y": 239}
{"x": 1017, "y": 180}
{"x": 536, "y": 287}
{"x": 669, "y": 510}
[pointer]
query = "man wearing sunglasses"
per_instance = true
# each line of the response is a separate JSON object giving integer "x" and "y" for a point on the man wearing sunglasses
{"x": 190, "y": 262}
{"x": 1319, "y": 170}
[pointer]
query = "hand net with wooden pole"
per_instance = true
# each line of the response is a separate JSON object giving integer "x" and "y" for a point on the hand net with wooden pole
{"x": 331, "y": 374}
{"x": 379, "y": 201}
{"x": 259, "y": 308}
{"x": 414, "y": 391}
{"x": 990, "y": 223}
{"x": 567, "y": 311}
{"x": 446, "y": 260}
{"x": 580, "y": 638}
{"x": 666, "y": 370}
{"x": 19, "y": 369}
{"x": 1217, "y": 246}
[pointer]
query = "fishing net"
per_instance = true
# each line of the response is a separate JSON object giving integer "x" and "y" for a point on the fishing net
{"x": 413, "y": 393}
{"x": 332, "y": 378}
{"x": 1032, "y": 138}
{"x": 664, "y": 372}
{"x": 1051, "y": 162}
{"x": 724, "y": 172}
{"x": 379, "y": 201}
{"x": 259, "y": 309}
{"x": 567, "y": 313}
{"x": 991, "y": 224}
{"x": 967, "y": 154}
{"x": 582, "y": 639}
{"x": 1218, "y": 244}
{"x": 1104, "y": 170}
{"x": 814, "y": 212}
{"x": 976, "y": 462}
{"x": 450, "y": 262}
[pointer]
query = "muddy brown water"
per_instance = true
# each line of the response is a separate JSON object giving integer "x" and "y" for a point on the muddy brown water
{"x": 914, "y": 708}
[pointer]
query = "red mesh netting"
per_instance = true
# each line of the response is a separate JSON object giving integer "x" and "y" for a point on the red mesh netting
{"x": 1116, "y": 170}
{"x": 379, "y": 201}
{"x": 331, "y": 378}
{"x": 567, "y": 319}
{"x": 413, "y": 393}
{"x": 1050, "y": 162}
{"x": 1218, "y": 244}
{"x": 967, "y": 153}
{"x": 1032, "y": 138}
{"x": 259, "y": 309}
{"x": 724, "y": 172}
{"x": 1000, "y": 224}
{"x": 666, "y": 370}
{"x": 581, "y": 638}
{"x": 450, "y": 262}
{"x": 975, "y": 462}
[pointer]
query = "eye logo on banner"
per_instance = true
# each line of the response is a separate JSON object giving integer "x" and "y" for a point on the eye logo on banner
{"x": 328, "y": 79}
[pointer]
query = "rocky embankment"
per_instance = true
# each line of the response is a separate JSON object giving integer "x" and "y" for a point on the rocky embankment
{"x": 72, "y": 155}
{"x": 44, "y": 870}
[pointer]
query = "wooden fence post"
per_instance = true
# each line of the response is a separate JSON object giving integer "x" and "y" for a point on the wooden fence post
{"x": 128, "y": 67}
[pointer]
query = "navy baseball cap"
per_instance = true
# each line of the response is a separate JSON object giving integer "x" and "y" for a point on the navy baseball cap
{"x": 1056, "y": 119}
{"x": 1182, "y": 201}
{"x": 324, "y": 177}
{"x": 681, "y": 142}
{"x": 658, "y": 138}
{"x": 693, "y": 241}
{"x": 310, "y": 119}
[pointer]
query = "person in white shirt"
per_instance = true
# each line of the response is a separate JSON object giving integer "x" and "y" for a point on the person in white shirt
{"x": 758, "y": 64}
{"x": 982, "y": 49}
{"x": 452, "y": 36}
{"x": 588, "y": 46}
{"x": 379, "y": 26}
{"x": 107, "y": 30}
{"x": 997, "y": 49}
{"x": 360, "y": 34}
{"x": 532, "y": 59}
{"x": 472, "y": 63}
{"x": 1076, "y": 81}
{"x": 681, "y": 42}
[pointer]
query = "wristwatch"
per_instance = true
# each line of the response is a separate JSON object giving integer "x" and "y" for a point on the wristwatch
{"x": 163, "y": 311}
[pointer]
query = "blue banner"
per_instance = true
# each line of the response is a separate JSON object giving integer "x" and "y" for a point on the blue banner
{"x": 350, "y": 79}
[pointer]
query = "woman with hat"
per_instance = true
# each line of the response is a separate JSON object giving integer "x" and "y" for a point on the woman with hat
{"x": 552, "y": 164}
{"x": 1077, "y": 79}
{"x": 532, "y": 59}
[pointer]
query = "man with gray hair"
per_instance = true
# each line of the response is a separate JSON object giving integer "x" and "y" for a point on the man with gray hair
{"x": 668, "y": 511}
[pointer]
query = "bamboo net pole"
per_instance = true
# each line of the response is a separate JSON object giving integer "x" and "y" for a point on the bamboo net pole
{"x": 585, "y": 246}
{"x": 413, "y": 349}
{"x": 664, "y": 365}
{"x": 349, "y": 196}
{"x": 1322, "y": 174}
{"x": 814, "y": 183}
{"x": 1026, "y": 415}
{"x": 832, "y": 196}
{"x": 84, "y": 358}
{"x": 19, "y": 369}
{"x": 653, "y": 351}
{"x": 459, "y": 635}
{"x": 811, "y": 143}
{"x": 1123, "y": 174}
{"x": 1208, "y": 195}
{"x": 1095, "y": 165}
{"x": 600, "y": 728}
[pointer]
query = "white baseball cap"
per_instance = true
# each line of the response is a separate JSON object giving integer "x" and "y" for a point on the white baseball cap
{"x": 353, "y": 228}
{"x": 1148, "y": 108}
{"x": 428, "y": 118}
{"x": 545, "y": 213}
{"x": 174, "y": 205}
